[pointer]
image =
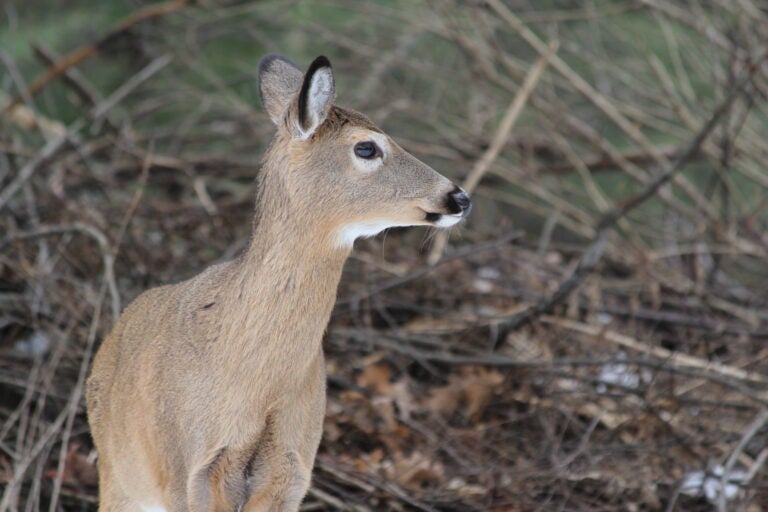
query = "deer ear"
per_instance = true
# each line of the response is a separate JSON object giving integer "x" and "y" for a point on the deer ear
{"x": 314, "y": 100}
{"x": 279, "y": 79}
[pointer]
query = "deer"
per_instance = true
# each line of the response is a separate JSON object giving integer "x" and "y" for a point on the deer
{"x": 210, "y": 394}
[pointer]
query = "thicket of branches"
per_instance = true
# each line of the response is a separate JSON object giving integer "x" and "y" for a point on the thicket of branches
{"x": 593, "y": 339}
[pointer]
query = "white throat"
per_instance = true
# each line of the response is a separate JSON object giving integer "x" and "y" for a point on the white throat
{"x": 347, "y": 235}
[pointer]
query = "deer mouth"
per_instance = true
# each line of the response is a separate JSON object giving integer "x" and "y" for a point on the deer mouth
{"x": 457, "y": 203}
{"x": 444, "y": 220}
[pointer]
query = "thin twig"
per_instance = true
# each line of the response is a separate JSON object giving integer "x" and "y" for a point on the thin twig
{"x": 427, "y": 269}
{"x": 56, "y": 145}
{"x": 759, "y": 422}
{"x": 129, "y": 86}
{"x": 594, "y": 253}
{"x": 599, "y": 100}
{"x": 25, "y": 115}
{"x": 333, "y": 501}
{"x": 84, "y": 90}
{"x": 107, "y": 254}
{"x": 80, "y": 54}
{"x": 502, "y": 134}
{"x": 405, "y": 347}
{"x": 672, "y": 358}
{"x": 22, "y": 465}
{"x": 77, "y": 392}
{"x": 48, "y": 151}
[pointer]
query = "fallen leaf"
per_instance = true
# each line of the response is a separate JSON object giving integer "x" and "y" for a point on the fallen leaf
{"x": 415, "y": 470}
{"x": 473, "y": 389}
{"x": 479, "y": 391}
{"x": 376, "y": 378}
{"x": 402, "y": 397}
{"x": 443, "y": 400}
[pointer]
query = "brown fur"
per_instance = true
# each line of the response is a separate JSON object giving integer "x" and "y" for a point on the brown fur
{"x": 209, "y": 395}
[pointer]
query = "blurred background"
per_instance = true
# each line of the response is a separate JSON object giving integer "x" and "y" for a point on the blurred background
{"x": 593, "y": 338}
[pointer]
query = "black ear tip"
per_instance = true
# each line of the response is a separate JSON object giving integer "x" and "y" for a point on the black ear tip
{"x": 323, "y": 61}
{"x": 320, "y": 62}
{"x": 266, "y": 62}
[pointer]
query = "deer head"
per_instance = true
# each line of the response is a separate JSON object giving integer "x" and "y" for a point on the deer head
{"x": 340, "y": 173}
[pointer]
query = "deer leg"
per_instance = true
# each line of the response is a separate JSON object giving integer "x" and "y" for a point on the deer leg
{"x": 219, "y": 484}
{"x": 285, "y": 489}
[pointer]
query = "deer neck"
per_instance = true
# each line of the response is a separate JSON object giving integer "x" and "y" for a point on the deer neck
{"x": 285, "y": 286}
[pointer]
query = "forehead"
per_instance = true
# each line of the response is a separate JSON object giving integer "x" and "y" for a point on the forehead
{"x": 346, "y": 117}
{"x": 348, "y": 124}
{"x": 358, "y": 128}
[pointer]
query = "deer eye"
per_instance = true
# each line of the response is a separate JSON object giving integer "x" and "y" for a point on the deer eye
{"x": 368, "y": 150}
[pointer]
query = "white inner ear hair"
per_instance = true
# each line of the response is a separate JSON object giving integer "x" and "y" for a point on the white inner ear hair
{"x": 320, "y": 93}
{"x": 319, "y": 96}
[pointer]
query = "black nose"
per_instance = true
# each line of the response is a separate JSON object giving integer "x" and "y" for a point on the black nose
{"x": 458, "y": 202}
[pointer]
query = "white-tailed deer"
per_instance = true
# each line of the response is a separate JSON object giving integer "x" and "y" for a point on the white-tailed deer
{"x": 209, "y": 395}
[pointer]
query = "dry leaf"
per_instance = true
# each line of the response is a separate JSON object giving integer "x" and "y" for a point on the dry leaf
{"x": 473, "y": 389}
{"x": 479, "y": 390}
{"x": 376, "y": 377}
{"x": 524, "y": 347}
{"x": 402, "y": 397}
{"x": 443, "y": 400}
{"x": 477, "y": 396}
{"x": 463, "y": 488}
{"x": 415, "y": 470}
{"x": 386, "y": 411}
{"x": 370, "y": 462}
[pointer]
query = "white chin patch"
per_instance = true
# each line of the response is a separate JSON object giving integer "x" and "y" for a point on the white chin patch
{"x": 446, "y": 221}
{"x": 348, "y": 234}
{"x": 351, "y": 232}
